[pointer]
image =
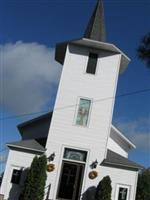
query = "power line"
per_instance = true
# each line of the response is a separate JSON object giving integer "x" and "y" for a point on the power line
{"x": 65, "y": 107}
{"x": 25, "y": 114}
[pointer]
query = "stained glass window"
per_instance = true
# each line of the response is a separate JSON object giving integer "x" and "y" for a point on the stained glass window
{"x": 83, "y": 112}
{"x": 73, "y": 154}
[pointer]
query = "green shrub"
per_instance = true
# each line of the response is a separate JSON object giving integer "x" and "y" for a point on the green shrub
{"x": 103, "y": 190}
{"x": 35, "y": 180}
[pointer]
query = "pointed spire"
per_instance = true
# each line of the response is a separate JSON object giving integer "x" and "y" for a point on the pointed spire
{"x": 96, "y": 26}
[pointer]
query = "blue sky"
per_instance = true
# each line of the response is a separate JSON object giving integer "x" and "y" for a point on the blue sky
{"x": 30, "y": 76}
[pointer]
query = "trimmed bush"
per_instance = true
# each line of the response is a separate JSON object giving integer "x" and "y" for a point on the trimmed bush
{"x": 103, "y": 190}
{"x": 35, "y": 180}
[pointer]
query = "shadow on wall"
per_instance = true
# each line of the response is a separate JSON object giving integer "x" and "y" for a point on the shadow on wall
{"x": 14, "y": 192}
{"x": 89, "y": 194}
{"x": 16, "y": 189}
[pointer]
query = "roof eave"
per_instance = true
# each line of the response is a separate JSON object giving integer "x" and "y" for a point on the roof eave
{"x": 61, "y": 50}
{"x": 123, "y": 137}
{"x": 122, "y": 166}
{"x": 20, "y": 147}
{"x": 105, "y": 46}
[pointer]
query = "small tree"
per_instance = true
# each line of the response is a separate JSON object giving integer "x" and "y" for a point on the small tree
{"x": 143, "y": 186}
{"x": 40, "y": 183}
{"x": 144, "y": 49}
{"x": 103, "y": 190}
{"x": 35, "y": 180}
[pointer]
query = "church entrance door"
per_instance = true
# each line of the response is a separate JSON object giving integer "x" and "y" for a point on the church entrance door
{"x": 71, "y": 180}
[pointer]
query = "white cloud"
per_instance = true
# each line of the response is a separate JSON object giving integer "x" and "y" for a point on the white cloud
{"x": 29, "y": 76}
{"x": 138, "y": 131}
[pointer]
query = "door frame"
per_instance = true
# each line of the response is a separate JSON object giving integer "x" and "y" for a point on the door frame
{"x": 76, "y": 181}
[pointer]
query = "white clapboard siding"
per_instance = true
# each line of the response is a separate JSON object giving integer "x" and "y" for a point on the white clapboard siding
{"x": 76, "y": 83}
{"x": 16, "y": 160}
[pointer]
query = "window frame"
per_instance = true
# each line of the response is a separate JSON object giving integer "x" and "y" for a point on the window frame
{"x": 118, "y": 186}
{"x": 89, "y": 114}
{"x": 75, "y": 150}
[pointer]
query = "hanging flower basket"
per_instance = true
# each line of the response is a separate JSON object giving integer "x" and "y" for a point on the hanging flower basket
{"x": 50, "y": 167}
{"x": 93, "y": 174}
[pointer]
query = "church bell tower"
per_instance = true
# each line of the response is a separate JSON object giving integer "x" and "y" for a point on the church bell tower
{"x": 84, "y": 104}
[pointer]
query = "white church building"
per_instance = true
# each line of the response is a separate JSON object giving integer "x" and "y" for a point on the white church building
{"x": 78, "y": 136}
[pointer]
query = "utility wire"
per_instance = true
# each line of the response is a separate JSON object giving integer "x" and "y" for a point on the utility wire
{"x": 65, "y": 107}
{"x": 25, "y": 114}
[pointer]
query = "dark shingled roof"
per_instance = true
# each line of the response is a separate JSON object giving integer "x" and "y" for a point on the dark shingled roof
{"x": 37, "y": 119}
{"x": 96, "y": 26}
{"x": 32, "y": 145}
{"x": 116, "y": 160}
{"x": 35, "y": 128}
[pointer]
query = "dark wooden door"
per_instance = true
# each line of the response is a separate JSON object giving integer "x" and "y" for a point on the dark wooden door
{"x": 70, "y": 181}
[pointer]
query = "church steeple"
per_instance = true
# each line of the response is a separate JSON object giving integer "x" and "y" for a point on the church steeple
{"x": 94, "y": 38}
{"x": 96, "y": 26}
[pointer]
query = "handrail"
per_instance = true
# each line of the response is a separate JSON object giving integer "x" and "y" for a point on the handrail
{"x": 48, "y": 192}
